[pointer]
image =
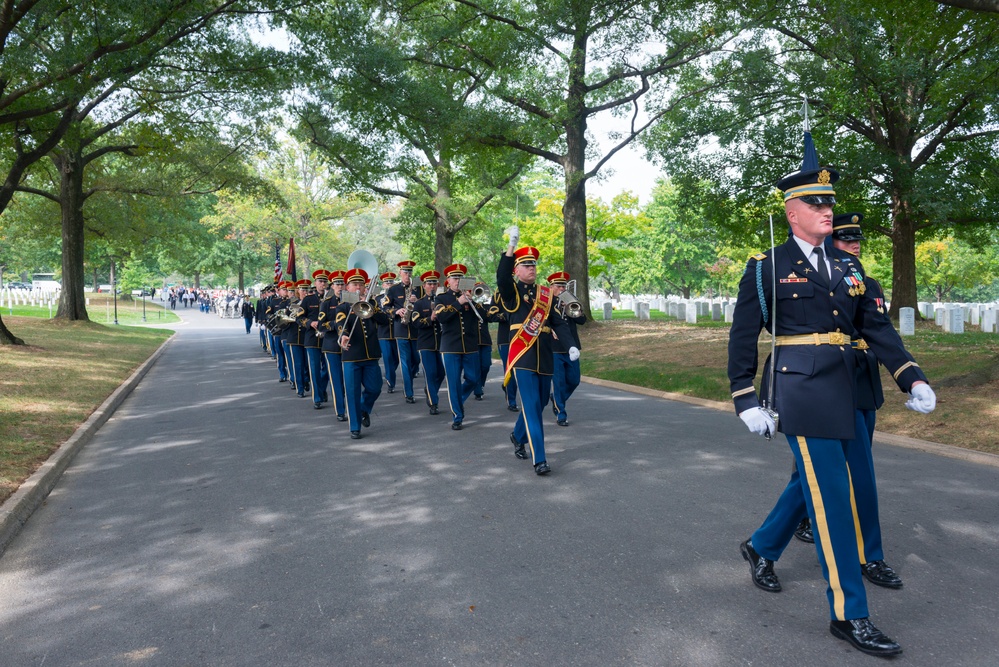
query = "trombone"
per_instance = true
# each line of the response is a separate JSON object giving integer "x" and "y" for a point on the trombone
{"x": 474, "y": 290}
{"x": 567, "y": 301}
{"x": 362, "y": 309}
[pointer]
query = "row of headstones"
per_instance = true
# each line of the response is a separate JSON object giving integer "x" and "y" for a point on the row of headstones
{"x": 12, "y": 297}
{"x": 679, "y": 310}
{"x": 952, "y": 317}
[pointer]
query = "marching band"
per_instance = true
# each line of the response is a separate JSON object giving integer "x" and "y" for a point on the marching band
{"x": 332, "y": 335}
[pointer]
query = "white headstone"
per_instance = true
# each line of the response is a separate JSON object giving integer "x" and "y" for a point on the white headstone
{"x": 681, "y": 312}
{"x": 608, "y": 310}
{"x": 955, "y": 316}
{"x": 716, "y": 312}
{"x": 729, "y": 312}
{"x": 939, "y": 314}
{"x": 691, "y": 313}
{"x": 642, "y": 310}
{"x": 976, "y": 313}
{"x": 907, "y": 321}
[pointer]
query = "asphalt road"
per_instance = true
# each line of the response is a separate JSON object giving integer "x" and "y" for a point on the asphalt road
{"x": 217, "y": 519}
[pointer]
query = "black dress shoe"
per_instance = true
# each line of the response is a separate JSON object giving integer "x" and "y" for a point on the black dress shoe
{"x": 804, "y": 531}
{"x": 301, "y": 395}
{"x": 391, "y": 390}
{"x": 542, "y": 468}
{"x": 518, "y": 448}
{"x": 880, "y": 573}
{"x": 341, "y": 418}
{"x": 308, "y": 387}
{"x": 317, "y": 406}
{"x": 513, "y": 408}
{"x": 478, "y": 397}
{"x": 760, "y": 568}
{"x": 282, "y": 379}
{"x": 554, "y": 408}
{"x": 292, "y": 386}
{"x": 365, "y": 419}
{"x": 456, "y": 426}
{"x": 355, "y": 435}
{"x": 865, "y": 637}
{"x": 562, "y": 422}
{"x": 410, "y": 399}
{"x": 434, "y": 410}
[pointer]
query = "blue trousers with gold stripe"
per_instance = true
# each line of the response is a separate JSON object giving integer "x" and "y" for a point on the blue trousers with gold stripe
{"x": 299, "y": 368}
{"x": 534, "y": 392}
{"x": 335, "y": 367}
{"x": 485, "y": 362}
{"x": 318, "y": 373}
{"x": 390, "y": 357}
{"x": 433, "y": 370}
{"x": 282, "y": 362}
{"x": 406, "y": 349}
{"x": 362, "y": 382}
{"x": 825, "y": 479}
{"x": 511, "y": 386}
{"x": 564, "y": 381}
{"x": 456, "y": 366}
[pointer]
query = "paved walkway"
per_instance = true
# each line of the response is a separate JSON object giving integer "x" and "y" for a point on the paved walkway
{"x": 217, "y": 519}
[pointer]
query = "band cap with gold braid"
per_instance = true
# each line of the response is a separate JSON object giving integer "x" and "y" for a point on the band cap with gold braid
{"x": 846, "y": 227}
{"x": 388, "y": 275}
{"x": 356, "y": 276}
{"x": 304, "y": 283}
{"x": 337, "y": 277}
{"x": 432, "y": 276}
{"x": 406, "y": 265}
{"x": 526, "y": 256}
{"x": 559, "y": 278}
{"x": 321, "y": 274}
{"x": 456, "y": 271}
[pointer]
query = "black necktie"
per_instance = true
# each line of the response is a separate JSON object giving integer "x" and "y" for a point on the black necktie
{"x": 823, "y": 269}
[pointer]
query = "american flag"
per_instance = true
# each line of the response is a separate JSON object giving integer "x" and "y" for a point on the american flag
{"x": 277, "y": 263}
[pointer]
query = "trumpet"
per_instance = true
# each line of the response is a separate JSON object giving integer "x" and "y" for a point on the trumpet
{"x": 469, "y": 286}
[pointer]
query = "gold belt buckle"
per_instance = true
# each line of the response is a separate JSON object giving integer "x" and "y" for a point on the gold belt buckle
{"x": 838, "y": 338}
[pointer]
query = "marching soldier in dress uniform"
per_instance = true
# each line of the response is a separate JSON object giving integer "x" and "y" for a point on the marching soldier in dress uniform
{"x": 459, "y": 319}
{"x": 359, "y": 342}
{"x": 503, "y": 346}
{"x": 386, "y": 333}
{"x": 533, "y": 318}
{"x": 330, "y": 345}
{"x": 279, "y": 302}
{"x": 311, "y": 340}
{"x": 429, "y": 338}
{"x": 846, "y": 236}
{"x": 296, "y": 341}
{"x": 492, "y": 314}
{"x": 822, "y": 305}
{"x": 567, "y": 375}
{"x": 400, "y": 299}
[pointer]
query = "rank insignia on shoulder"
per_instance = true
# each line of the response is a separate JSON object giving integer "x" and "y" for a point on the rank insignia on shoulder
{"x": 760, "y": 256}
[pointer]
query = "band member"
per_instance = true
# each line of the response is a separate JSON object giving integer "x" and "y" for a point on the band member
{"x": 429, "y": 338}
{"x": 566, "y": 376}
{"x": 459, "y": 317}
{"x": 330, "y": 345}
{"x": 400, "y": 300}
{"x": 311, "y": 340}
{"x": 503, "y": 346}
{"x": 822, "y": 305}
{"x": 358, "y": 336}
{"x": 386, "y": 333}
{"x": 529, "y": 308}
{"x": 277, "y": 303}
{"x": 259, "y": 311}
{"x": 492, "y": 314}
{"x": 296, "y": 340}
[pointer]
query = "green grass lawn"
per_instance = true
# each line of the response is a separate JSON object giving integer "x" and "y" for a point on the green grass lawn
{"x": 50, "y": 386}
{"x": 102, "y": 310}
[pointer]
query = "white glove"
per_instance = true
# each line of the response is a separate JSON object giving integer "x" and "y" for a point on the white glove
{"x": 573, "y": 354}
{"x": 758, "y": 421}
{"x": 514, "y": 233}
{"x": 923, "y": 399}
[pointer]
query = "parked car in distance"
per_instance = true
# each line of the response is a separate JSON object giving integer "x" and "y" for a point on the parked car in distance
{"x": 103, "y": 289}
{"x": 17, "y": 285}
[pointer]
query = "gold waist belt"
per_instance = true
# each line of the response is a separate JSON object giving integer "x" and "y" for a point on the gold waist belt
{"x": 835, "y": 338}
{"x": 514, "y": 327}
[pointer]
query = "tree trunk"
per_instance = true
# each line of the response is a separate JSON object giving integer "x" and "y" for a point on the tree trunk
{"x": 6, "y": 337}
{"x": 72, "y": 302}
{"x": 903, "y": 240}
{"x": 574, "y": 164}
{"x": 197, "y": 280}
{"x": 443, "y": 241}
{"x": 241, "y": 272}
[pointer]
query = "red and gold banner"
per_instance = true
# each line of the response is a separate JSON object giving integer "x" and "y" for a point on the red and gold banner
{"x": 529, "y": 331}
